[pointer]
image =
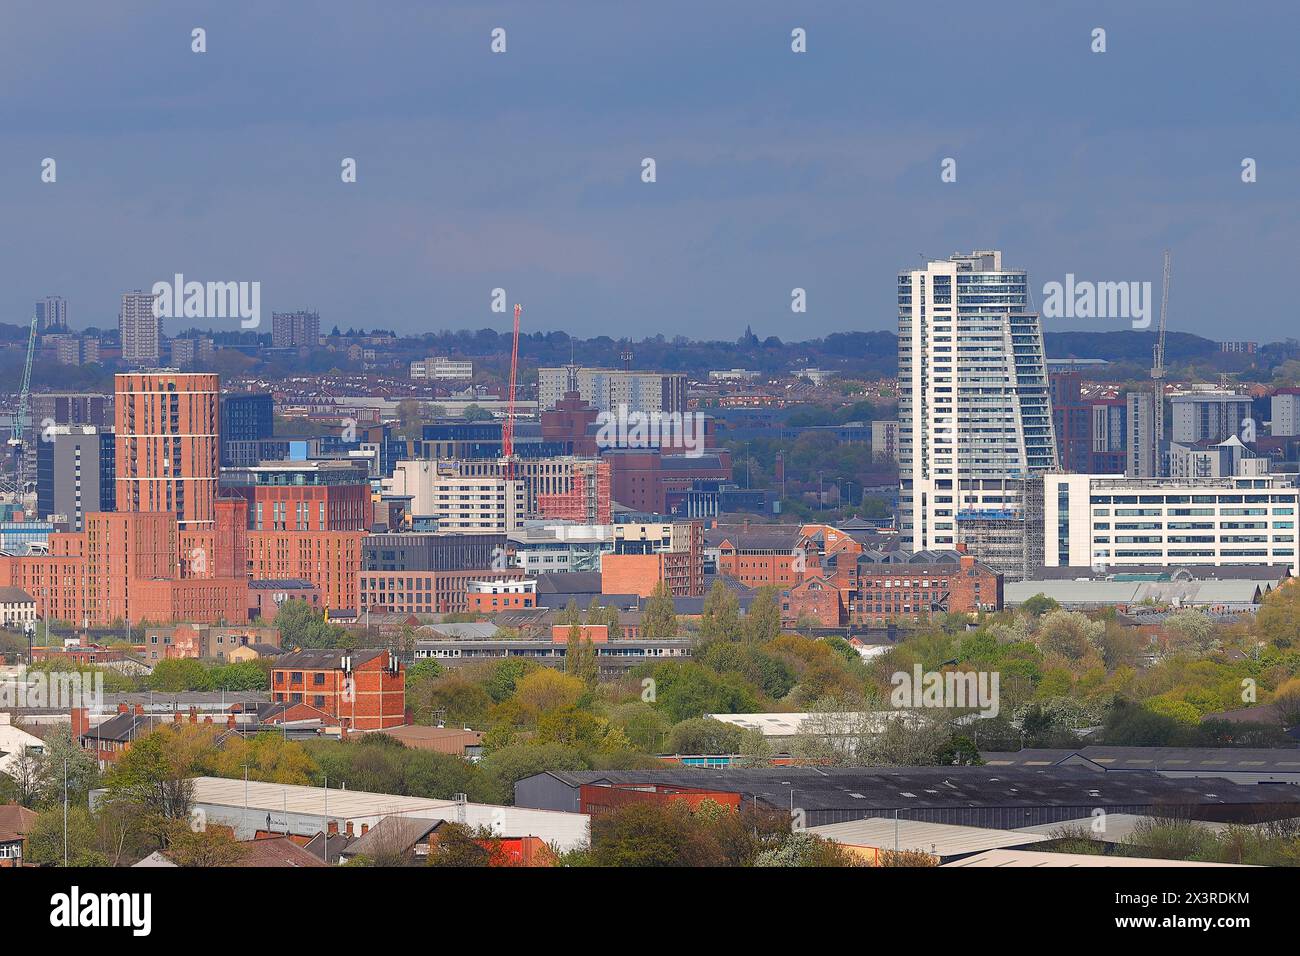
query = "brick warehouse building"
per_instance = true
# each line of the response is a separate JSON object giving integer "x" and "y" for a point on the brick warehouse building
{"x": 883, "y": 587}
{"x": 362, "y": 689}
{"x": 764, "y": 555}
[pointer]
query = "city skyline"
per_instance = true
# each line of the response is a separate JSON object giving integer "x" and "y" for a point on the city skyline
{"x": 522, "y": 170}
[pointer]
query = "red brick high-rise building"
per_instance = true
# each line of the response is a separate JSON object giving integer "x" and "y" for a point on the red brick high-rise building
{"x": 168, "y": 450}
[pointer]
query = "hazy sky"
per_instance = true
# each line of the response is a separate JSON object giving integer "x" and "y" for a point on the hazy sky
{"x": 523, "y": 170}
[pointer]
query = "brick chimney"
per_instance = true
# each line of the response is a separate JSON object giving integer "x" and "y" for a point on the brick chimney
{"x": 80, "y": 722}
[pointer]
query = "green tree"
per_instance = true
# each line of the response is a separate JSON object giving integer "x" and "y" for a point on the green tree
{"x": 721, "y": 618}
{"x": 659, "y": 620}
{"x": 763, "y": 619}
{"x": 509, "y": 764}
{"x": 180, "y": 674}
{"x": 302, "y": 625}
{"x": 703, "y": 735}
{"x": 203, "y": 848}
{"x": 1038, "y": 605}
{"x": 155, "y": 776}
{"x": 45, "y": 842}
{"x": 63, "y": 753}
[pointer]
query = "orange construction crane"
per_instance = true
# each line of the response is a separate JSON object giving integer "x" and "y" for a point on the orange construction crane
{"x": 508, "y": 429}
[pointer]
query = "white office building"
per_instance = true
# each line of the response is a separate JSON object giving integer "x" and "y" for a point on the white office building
{"x": 608, "y": 390}
{"x": 441, "y": 369}
{"x": 1107, "y": 521}
{"x": 975, "y": 416}
{"x": 480, "y": 504}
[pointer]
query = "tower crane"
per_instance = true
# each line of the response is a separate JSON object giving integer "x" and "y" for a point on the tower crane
{"x": 1158, "y": 369}
{"x": 20, "y": 412}
{"x": 508, "y": 429}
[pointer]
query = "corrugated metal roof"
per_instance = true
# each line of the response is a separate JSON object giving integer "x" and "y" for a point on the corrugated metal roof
{"x": 870, "y": 789}
{"x": 566, "y": 829}
{"x": 1115, "y": 827}
{"x": 1035, "y": 858}
{"x": 1242, "y": 591}
{"x": 1172, "y": 759}
{"x": 941, "y": 839}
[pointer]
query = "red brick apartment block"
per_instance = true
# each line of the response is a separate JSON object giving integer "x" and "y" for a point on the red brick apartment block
{"x": 167, "y": 449}
{"x": 363, "y": 689}
{"x": 329, "y": 560}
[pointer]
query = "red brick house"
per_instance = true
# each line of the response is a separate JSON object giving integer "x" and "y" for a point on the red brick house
{"x": 15, "y": 823}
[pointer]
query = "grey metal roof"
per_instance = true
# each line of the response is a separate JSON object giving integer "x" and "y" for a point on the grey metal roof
{"x": 1170, "y": 759}
{"x": 876, "y": 789}
{"x": 471, "y": 630}
{"x": 1243, "y": 592}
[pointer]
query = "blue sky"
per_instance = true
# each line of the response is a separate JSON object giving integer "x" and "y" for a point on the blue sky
{"x": 522, "y": 170}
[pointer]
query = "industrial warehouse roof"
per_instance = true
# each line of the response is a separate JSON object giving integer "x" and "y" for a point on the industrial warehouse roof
{"x": 941, "y": 839}
{"x": 919, "y": 788}
{"x": 1274, "y": 573}
{"x": 1020, "y": 858}
{"x": 569, "y": 830}
{"x": 1201, "y": 760}
{"x": 1117, "y": 827}
{"x": 1100, "y": 592}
